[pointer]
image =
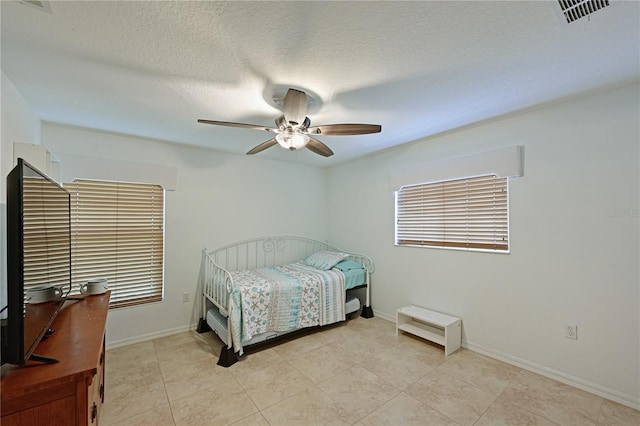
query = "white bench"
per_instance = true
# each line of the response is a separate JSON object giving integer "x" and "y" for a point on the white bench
{"x": 439, "y": 328}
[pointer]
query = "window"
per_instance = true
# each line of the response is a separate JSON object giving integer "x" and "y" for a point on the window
{"x": 117, "y": 232}
{"x": 470, "y": 213}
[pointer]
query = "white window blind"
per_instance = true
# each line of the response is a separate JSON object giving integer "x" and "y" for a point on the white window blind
{"x": 117, "y": 233}
{"x": 470, "y": 213}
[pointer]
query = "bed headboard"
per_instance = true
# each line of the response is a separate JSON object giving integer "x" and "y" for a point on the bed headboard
{"x": 271, "y": 251}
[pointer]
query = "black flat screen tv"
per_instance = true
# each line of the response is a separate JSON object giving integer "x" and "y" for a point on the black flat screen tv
{"x": 38, "y": 256}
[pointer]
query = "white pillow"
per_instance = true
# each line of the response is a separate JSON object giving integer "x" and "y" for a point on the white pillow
{"x": 324, "y": 260}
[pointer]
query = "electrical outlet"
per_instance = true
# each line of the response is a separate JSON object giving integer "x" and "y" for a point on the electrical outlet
{"x": 185, "y": 296}
{"x": 571, "y": 332}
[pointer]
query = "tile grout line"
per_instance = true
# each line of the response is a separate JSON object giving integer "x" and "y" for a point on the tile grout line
{"x": 498, "y": 396}
{"x": 164, "y": 385}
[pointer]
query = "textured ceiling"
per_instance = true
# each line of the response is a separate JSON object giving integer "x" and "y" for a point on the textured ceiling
{"x": 417, "y": 68}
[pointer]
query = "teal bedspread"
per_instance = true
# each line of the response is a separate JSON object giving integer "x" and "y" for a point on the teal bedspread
{"x": 284, "y": 298}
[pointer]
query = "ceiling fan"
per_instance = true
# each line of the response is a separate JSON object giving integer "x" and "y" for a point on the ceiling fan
{"x": 293, "y": 129}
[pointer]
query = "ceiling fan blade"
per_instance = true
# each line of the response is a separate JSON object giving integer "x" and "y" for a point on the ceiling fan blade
{"x": 264, "y": 145}
{"x": 319, "y": 148}
{"x": 344, "y": 129}
{"x": 295, "y": 107}
{"x": 242, "y": 125}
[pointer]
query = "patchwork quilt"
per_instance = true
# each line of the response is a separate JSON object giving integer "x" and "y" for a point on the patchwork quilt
{"x": 284, "y": 298}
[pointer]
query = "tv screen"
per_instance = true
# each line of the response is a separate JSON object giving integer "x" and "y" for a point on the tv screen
{"x": 38, "y": 259}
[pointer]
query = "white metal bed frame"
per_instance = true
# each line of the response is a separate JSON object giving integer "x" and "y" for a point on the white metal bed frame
{"x": 217, "y": 282}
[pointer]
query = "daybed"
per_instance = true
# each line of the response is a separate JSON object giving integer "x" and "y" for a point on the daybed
{"x": 259, "y": 289}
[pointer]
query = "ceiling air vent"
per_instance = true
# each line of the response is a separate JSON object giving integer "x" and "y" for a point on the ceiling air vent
{"x": 576, "y": 9}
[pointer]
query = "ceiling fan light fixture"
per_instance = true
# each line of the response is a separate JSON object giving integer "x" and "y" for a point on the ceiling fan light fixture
{"x": 293, "y": 127}
{"x": 292, "y": 140}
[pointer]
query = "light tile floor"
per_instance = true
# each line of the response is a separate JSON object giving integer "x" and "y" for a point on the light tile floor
{"x": 356, "y": 373}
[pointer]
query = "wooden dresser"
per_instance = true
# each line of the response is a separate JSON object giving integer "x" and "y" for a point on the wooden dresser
{"x": 70, "y": 392}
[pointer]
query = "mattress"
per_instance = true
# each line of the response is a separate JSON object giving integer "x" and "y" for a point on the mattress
{"x": 218, "y": 324}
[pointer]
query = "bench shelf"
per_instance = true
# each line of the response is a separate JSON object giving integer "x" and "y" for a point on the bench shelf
{"x": 442, "y": 329}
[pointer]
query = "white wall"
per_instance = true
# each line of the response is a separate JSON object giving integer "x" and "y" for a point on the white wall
{"x": 18, "y": 124}
{"x": 220, "y": 198}
{"x": 574, "y": 229}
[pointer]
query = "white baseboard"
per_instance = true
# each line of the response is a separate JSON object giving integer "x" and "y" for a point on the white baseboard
{"x": 559, "y": 376}
{"x": 576, "y": 382}
{"x": 150, "y": 336}
{"x": 382, "y": 315}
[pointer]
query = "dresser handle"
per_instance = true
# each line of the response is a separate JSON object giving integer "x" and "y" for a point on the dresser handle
{"x": 101, "y": 358}
{"x": 102, "y": 392}
{"x": 94, "y": 412}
